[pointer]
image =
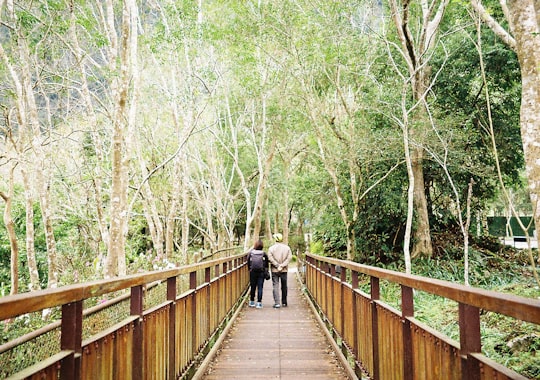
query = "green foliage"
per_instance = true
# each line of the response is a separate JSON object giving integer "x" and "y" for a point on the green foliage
{"x": 316, "y": 247}
{"x": 461, "y": 93}
{"x": 297, "y": 244}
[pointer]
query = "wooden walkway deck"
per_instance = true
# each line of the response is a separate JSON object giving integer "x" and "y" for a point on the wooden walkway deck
{"x": 268, "y": 343}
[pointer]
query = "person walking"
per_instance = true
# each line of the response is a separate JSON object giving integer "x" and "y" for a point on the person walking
{"x": 279, "y": 255}
{"x": 257, "y": 262}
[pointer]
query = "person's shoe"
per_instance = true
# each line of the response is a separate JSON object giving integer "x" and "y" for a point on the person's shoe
{"x": 277, "y": 306}
{"x": 259, "y": 305}
{"x": 251, "y": 303}
{"x": 284, "y": 304}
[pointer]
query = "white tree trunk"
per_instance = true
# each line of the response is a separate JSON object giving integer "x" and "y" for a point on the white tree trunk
{"x": 410, "y": 191}
{"x": 525, "y": 17}
{"x": 30, "y": 233}
{"x": 124, "y": 91}
{"x": 31, "y": 139}
{"x": 415, "y": 50}
{"x": 10, "y": 228}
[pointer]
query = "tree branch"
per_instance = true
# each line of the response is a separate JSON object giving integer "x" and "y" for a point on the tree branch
{"x": 502, "y": 33}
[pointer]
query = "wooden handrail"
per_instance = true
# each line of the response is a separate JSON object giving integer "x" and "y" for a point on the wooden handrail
{"x": 169, "y": 336}
{"x": 18, "y": 304}
{"x": 523, "y": 308}
{"x": 388, "y": 343}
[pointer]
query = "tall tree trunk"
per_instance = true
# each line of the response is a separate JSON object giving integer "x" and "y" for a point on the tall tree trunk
{"x": 523, "y": 16}
{"x": 410, "y": 194}
{"x": 151, "y": 212}
{"x": 50, "y": 240}
{"x": 30, "y": 135}
{"x": 415, "y": 51}
{"x": 525, "y": 19}
{"x": 268, "y": 222}
{"x": 285, "y": 207}
{"x": 422, "y": 236}
{"x": 265, "y": 163}
{"x": 184, "y": 207}
{"x": 125, "y": 90}
{"x": 95, "y": 169}
{"x": 340, "y": 200}
{"x": 30, "y": 233}
{"x": 39, "y": 171}
{"x": 170, "y": 224}
{"x": 10, "y": 227}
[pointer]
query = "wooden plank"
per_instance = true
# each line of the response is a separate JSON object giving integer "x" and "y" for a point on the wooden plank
{"x": 285, "y": 343}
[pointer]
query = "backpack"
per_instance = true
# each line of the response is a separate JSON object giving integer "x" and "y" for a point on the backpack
{"x": 257, "y": 260}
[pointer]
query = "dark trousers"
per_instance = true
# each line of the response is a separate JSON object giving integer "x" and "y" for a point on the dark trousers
{"x": 277, "y": 279}
{"x": 256, "y": 281}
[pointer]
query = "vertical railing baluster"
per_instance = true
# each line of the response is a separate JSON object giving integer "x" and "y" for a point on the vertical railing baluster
{"x": 207, "y": 278}
{"x": 331, "y": 299}
{"x": 227, "y": 281}
{"x": 469, "y": 340}
{"x": 356, "y": 314}
{"x": 218, "y": 292}
{"x": 407, "y": 310}
{"x": 194, "y": 324}
{"x": 375, "y": 296}
{"x": 342, "y": 308}
{"x": 71, "y": 339}
{"x": 171, "y": 296}
{"x": 136, "y": 308}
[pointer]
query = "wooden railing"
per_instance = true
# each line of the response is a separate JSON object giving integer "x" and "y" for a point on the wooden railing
{"x": 156, "y": 325}
{"x": 386, "y": 343}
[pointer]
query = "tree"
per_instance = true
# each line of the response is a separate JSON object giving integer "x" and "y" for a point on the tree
{"x": 522, "y": 34}
{"x": 10, "y": 227}
{"x": 416, "y": 50}
{"x": 125, "y": 87}
{"x": 30, "y": 142}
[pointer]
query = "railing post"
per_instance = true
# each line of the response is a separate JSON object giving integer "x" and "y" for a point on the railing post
{"x": 226, "y": 268}
{"x": 136, "y": 308}
{"x": 330, "y": 296}
{"x": 469, "y": 340}
{"x": 207, "y": 275}
{"x": 171, "y": 296}
{"x": 193, "y": 286}
{"x": 375, "y": 295}
{"x": 71, "y": 339}
{"x": 342, "y": 307}
{"x": 407, "y": 310}
{"x": 208, "y": 308}
{"x": 356, "y": 315}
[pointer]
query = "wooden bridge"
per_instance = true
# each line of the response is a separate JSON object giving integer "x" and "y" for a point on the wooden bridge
{"x": 192, "y": 322}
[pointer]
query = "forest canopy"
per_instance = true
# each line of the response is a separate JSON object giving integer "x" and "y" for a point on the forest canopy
{"x": 137, "y": 133}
